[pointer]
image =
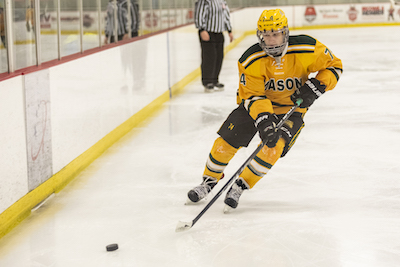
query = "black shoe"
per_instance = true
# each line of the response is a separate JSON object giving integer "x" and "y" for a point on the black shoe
{"x": 219, "y": 86}
{"x": 202, "y": 190}
{"x": 209, "y": 88}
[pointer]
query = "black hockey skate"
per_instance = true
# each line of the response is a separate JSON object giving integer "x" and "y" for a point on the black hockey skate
{"x": 234, "y": 193}
{"x": 202, "y": 190}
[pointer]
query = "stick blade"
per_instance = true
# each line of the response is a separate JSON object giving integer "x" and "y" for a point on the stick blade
{"x": 183, "y": 226}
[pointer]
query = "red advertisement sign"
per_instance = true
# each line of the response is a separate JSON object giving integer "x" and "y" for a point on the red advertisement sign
{"x": 310, "y": 14}
{"x": 352, "y": 12}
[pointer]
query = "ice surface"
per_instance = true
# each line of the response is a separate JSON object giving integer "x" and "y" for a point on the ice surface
{"x": 333, "y": 201}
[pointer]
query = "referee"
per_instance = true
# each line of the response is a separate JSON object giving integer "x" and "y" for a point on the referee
{"x": 212, "y": 18}
{"x": 120, "y": 8}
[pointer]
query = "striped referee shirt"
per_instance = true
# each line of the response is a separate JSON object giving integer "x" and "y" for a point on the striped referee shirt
{"x": 122, "y": 18}
{"x": 212, "y": 16}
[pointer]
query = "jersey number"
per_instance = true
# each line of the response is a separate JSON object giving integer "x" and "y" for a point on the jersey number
{"x": 243, "y": 79}
{"x": 328, "y": 52}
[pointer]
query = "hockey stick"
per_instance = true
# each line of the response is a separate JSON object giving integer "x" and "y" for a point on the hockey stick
{"x": 182, "y": 226}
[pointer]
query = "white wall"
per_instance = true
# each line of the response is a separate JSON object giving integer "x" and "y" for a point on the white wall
{"x": 13, "y": 163}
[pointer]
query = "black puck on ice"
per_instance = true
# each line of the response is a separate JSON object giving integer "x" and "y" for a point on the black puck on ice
{"x": 112, "y": 247}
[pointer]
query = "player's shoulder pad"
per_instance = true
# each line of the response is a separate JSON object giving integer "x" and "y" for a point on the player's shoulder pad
{"x": 252, "y": 54}
{"x": 301, "y": 44}
{"x": 302, "y": 40}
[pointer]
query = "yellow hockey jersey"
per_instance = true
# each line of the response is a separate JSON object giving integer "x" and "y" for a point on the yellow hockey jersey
{"x": 266, "y": 85}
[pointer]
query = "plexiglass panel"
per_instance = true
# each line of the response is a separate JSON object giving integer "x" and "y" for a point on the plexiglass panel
{"x": 70, "y": 27}
{"x": 48, "y": 30}
{"x": 90, "y": 25}
{"x": 23, "y": 31}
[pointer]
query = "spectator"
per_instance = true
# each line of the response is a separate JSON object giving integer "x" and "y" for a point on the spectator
{"x": 391, "y": 12}
{"x": 120, "y": 7}
{"x": 2, "y": 31}
{"x": 29, "y": 15}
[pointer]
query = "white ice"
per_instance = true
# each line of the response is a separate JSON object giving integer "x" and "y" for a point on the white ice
{"x": 333, "y": 201}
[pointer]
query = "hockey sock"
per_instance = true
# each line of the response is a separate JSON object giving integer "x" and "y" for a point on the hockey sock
{"x": 219, "y": 157}
{"x": 262, "y": 163}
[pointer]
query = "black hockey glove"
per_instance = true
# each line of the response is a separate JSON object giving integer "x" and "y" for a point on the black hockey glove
{"x": 311, "y": 90}
{"x": 266, "y": 125}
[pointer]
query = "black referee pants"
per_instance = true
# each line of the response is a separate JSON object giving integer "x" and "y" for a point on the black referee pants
{"x": 212, "y": 54}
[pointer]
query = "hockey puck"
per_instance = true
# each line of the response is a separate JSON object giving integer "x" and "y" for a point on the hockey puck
{"x": 112, "y": 247}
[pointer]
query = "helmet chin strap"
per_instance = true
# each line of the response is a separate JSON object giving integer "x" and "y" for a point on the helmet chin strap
{"x": 278, "y": 58}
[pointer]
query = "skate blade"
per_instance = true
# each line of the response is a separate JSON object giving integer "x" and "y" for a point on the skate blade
{"x": 228, "y": 209}
{"x": 189, "y": 202}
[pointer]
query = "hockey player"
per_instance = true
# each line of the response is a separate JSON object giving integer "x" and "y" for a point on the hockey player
{"x": 273, "y": 74}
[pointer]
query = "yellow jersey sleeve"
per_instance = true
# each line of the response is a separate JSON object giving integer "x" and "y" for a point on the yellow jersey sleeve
{"x": 328, "y": 66}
